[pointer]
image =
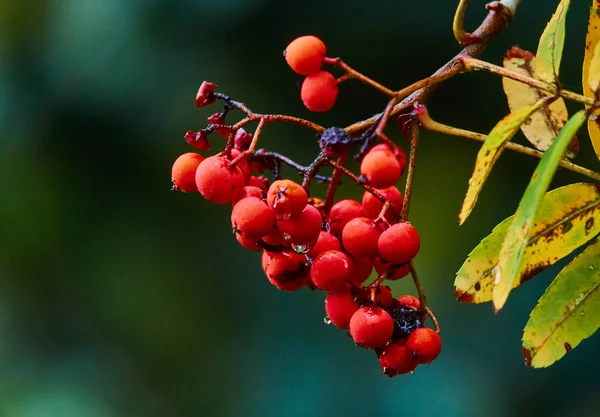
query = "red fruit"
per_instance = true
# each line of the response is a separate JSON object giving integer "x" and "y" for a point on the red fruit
{"x": 381, "y": 168}
{"x": 360, "y": 237}
{"x": 331, "y": 270}
{"x": 384, "y": 297}
{"x": 218, "y": 181}
{"x": 274, "y": 238}
{"x": 287, "y": 198}
{"x": 243, "y": 164}
{"x": 247, "y": 242}
{"x": 398, "y": 357}
{"x": 398, "y": 153}
{"x": 252, "y": 218}
{"x": 183, "y": 173}
{"x": 341, "y": 213}
{"x": 319, "y": 91}
{"x": 302, "y": 229}
{"x": 399, "y": 243}
{"x": 371, "y": 327}
{"x": 260, "y": 182}
{"x": 362, "y": 269}
{"x": 382, "y": 266}
{"x": 425, "y": 344}
{"x": 340, "y": 306}
{"x": 326, "y": 241}
{"x": 409, "y": 301}
{"x": 286, "y": 270}
{"x": 305, "y": 54}
{"x": 249, "y": 191}
{"x": 371, "y": 205}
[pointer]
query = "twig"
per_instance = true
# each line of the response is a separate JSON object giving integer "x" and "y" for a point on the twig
{"x": 414, "y": 144}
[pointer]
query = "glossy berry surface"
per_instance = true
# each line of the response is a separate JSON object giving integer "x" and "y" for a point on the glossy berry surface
{"x": 183, "y": 173}
{"x": 425, "y": 344}
{"x": 331, "y": 270}
{"x": 305, "y": 54}
{"x": 319, "y": 91}
{"x": 303, "y": 228}
{"x": 399, "y": 243}
{"x": 326, "y": 241}
{"x": 341, "y": 213}
{"x": 286, "y": 270}
{"x": 252, "y": 218}
{"x": 371, "y": 327}
{"x": 286, "y": 198}
{"x": 360, "y": 237}
{"x": 371, "y": 205}
{"x": 217, "y": 181}
{"x": 396, "y": 359}
{"x": 340, "y": 306}
{"x": 381, "y": 168}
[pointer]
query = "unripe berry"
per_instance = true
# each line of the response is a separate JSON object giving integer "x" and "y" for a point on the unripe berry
{"x": 252, "y": 218}
{"x": 340, "y": 306}
{"x": 382, "y": 266}
{"x": 380, "y": 168}
{"x": 362, "y": 269}
{"x": 371, "y": 327}
{"x": 183, "y": 173}
{"x": 360, "y": 237}
{"x": 399, "y": 243}
{"x": 305, "y": 54}
{"x": 409, "y": 301}
{"x": 287, "y": 198}
{"x": 249, "y": 191}
{"x": 286, "y": 270}
{"x": 217, "y": 181}
{"x": 319, "y": 91}
{"x": 326, "y": 241}
{"x": 425, "y": 344}
{"x": 398, "y": 357}
{"x": 303, "y": 228}
{"x": 341, "y": 213}
{"x": 371, "y": 205}
{"x": 331, "y": 270}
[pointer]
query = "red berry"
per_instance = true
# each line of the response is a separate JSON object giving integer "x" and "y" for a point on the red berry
{"x": 247, "y": 242}
{"x": 252, "y": 218}
{"x": 340, "y": 306}
{"x": 425, "y": 344}
{"x": 399, "y": 243}
{"x": 331, "y": 270}
{"x": 398, "y": 153}
{"x": 183, "y": 173}
{"x": 382, "y": 266}
{"x": 383, "y": 296}
{"x": 371, "y": 327}
{"x": 409, "y": 301}
{"x": 360, "y": 237}
{"x": 261, "y": 182}
{"x": 305, "y": 54}
{"x": 287, "y": 198}
{"x": 362, "y": 269}
{"x": 243, "y": 164}
{"x": 217, "y": 181}
{"x": 303, "y": 228}
{"x": 341, "y": 213}
{"x": 249, "y": 191}
{"x": 286, "y": 270}
{"x": 381, "y": 168}
{"x": 398, "y": 357}
{"x": 325, "y": 242}
{"x": 319, "y": 91}
{"x": 274, "y": 238}
{"x": 371, "y": 205}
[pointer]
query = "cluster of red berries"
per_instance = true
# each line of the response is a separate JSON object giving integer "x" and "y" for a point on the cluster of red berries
{"x": 305, "y": 55}
{"x": 306, "y": 244}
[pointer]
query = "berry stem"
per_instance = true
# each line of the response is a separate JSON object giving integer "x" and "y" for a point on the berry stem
{"x": 352, "y": 73}
{"x": 419, "y": 287}
{"x": 436, "y": 324}
{"x": 312, "y": 170}
{"x": 252, "y": 147}
{"x": 428, "y": 123}
{"x": 413, "y": 129}
{"x": 335, "y": 180}
{"x": 357, "y": 180}
{"x": 266, "y": 155}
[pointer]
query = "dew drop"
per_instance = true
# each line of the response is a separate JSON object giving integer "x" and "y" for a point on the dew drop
{"x": 582, "y": 313}
{"x": 593, "y": 117}
{"x": 412, "y": 372}
{"x": 301, "y": 249}
{"x": 287, "y": 236}
{"x": 591, "y": 266}
{"x": 496, "y": 273}
{"x": 327, "y": 320}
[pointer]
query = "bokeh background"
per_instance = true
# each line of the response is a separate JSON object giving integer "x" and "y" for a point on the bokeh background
{"x": 119, "y": 297}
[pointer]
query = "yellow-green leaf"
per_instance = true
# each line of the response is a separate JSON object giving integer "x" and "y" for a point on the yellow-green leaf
{"x": 543, "y": 126}
{"x": 490, "y": 151}
{"x": 594, "y": 70}
{"x": 567, "y": 313}
{"x": 550, "y": 47}
{"x": 591, "y": 42}
{"x": 519, "y": 231}
{"x": 568, "y": 217}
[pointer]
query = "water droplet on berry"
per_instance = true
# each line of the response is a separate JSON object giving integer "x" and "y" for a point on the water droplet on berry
{"x": 301, "y": 249}
{"x": 287, "y": 236}
{"x": 327, "y": 320}
{"x": 412, "y": 372}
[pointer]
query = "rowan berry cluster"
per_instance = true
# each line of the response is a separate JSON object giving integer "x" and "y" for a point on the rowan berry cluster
{"x": 319, "y": 244}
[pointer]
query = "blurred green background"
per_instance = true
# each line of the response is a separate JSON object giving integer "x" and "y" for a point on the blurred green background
{"x": 119, "y": 297}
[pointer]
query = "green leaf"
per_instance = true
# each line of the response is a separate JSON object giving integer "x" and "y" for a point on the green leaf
{"x": 491, "y": 150}
{"x": 567, "y": 313}
{"x": 519, "y": 232}
{"x": 550, "y": 47}
{"x": 567, "y": 218}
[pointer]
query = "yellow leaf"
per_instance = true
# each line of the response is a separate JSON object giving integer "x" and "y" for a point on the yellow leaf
{"x": 591, "y": 43}
{"x": 568, "y": 217}
{"x": 543, "y": 126}
{"x": 491, "y": 150}
{"x": 550, "y": 47}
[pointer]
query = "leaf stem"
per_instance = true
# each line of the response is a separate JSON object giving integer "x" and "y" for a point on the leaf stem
{"x": 458, "y": 23}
